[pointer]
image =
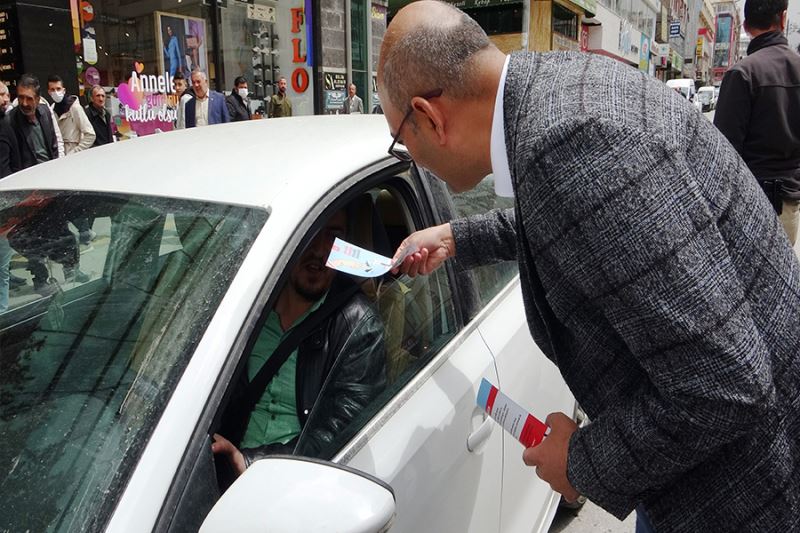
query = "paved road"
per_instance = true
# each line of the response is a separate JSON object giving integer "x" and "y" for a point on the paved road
{"x": 591, "y": 519}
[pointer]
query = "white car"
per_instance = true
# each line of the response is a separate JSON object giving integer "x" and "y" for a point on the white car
{"x": 116, "y": 367}
{"x": 707, "y": 96}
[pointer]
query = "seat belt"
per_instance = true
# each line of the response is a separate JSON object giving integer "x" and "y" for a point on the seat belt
{"x": 255, "y": 389}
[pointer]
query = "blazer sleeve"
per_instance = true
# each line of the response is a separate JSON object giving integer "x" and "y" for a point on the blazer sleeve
{"x": 226, "y": 117}
{"x": 634, "y": 238}
{"x": 485, "y": 239}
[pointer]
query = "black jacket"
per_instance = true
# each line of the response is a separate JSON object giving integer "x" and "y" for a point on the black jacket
{"x": 341, "y": 367}
{"x": 237, "y": 108}
{"x": 758, "y": 110}
{"x": 102, "y": 128}
{"x": 22, "y": 132}
{"x": 9, "y": 148}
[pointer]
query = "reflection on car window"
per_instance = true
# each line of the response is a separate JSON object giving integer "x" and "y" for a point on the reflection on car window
{"x": 95, "y": 336}
{"x": 482, "y": 199}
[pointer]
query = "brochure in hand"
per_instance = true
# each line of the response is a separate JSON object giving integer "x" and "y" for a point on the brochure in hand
{"x": 352, "y": 259}
{"x": 522, "y": 425}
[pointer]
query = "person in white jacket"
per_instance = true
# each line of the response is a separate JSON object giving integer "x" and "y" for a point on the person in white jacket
{"x": 75, "y": 127}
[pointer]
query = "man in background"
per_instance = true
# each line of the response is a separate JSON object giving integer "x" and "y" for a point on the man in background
{"x": 207, "y": 107}
{"x": 758, "y": 109}
{"x": 99, "y": 116}
{"x": 279, "y": 104}
{"x": 353, "y": 103}
{"x": 237, "y": 101}
{"x": 74, "y": 125}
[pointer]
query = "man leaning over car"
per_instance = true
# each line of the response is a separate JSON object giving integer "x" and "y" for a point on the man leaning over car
{"x": 348, "y": 343}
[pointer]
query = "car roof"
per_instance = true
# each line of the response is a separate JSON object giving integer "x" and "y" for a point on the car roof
{"x": 244, "y": 163}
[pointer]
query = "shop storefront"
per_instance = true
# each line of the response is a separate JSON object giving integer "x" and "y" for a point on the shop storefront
{"x": 135, "y": 48}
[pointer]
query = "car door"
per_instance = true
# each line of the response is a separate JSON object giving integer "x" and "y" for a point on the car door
{"x": 416, "y": 436}
{"x": 525, "y": 374}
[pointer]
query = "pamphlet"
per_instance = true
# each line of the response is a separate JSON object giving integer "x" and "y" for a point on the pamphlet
{"x": 352, "y": 259}
{"x": 522, "y": 425}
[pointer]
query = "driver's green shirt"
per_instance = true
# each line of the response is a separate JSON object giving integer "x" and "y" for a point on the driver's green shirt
{"x": 274, "y": 418}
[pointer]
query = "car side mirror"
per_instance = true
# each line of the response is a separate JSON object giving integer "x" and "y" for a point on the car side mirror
{"x": 286, "y": 493}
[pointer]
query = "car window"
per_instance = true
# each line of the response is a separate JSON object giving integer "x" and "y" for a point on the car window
{"x": 487, "y": 280}
{"x": 398, "y": 325}
{"x": 88, "y": 362}
{"x": 418, "y": 316}
{"x": 482, "y": 199}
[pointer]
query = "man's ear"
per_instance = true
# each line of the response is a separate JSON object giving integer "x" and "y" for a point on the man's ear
{"x": 433, "y": 117}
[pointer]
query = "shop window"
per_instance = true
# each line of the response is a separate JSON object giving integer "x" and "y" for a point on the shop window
{"x": 565, "y": 22}
{"x": 263, "y": 42}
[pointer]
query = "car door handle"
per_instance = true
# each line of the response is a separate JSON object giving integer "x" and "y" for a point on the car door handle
{"x": 480, "y": 435}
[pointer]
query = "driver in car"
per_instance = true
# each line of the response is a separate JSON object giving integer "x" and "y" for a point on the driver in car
{"x": 330, "y": 374}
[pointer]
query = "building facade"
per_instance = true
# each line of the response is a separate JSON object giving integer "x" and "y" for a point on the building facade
{"x": 134, "y": 48}
{"x": 726, "y": 39}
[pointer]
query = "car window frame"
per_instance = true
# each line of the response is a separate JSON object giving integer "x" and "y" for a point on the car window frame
{"x": 334, "y": 199}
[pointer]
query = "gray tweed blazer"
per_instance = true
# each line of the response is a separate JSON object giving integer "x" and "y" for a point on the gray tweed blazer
{"x": 657, "y": 277}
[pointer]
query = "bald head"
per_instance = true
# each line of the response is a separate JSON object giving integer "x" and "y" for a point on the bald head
{"x": 430, "y": 45}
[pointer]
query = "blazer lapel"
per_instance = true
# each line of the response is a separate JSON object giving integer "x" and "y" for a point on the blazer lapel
{"x": 542, "y": 320}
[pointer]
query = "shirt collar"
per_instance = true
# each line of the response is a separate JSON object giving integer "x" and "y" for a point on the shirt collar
{"x": 499, "y": 155}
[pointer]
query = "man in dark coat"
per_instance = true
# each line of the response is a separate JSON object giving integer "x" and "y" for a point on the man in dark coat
{"x": 759, "y": 109}
{"x": 237, "y": 101}
{"x": 9, "y": 147}
{"x": 654, "y": 272}
{"x": 100, "y": 117}
{"x": 33, "y": 125}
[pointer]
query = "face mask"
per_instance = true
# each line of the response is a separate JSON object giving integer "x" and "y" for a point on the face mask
{"x": 243, "y": 93}
{"x": 57, "y": 96}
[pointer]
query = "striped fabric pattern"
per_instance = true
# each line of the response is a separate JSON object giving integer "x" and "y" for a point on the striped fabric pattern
{"x": 659, "y": 280}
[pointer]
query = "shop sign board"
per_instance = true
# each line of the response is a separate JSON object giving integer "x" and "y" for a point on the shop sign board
{"x": 677, "y": 61}
{"x": 644, "y": 53}
{"x": 147, "y": 102}
{"x": 674, "y": 29}
{"x": 335, "y": 90}
{"x": 470, "y": 4}
{"x": 262, "y": 13}
{"x": 9, "y": 51}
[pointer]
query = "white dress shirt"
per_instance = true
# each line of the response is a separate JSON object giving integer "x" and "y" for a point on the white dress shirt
{"x": 498, "y": 152}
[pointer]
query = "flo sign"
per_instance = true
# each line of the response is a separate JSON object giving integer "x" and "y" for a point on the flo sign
{"x": 148, "y": 98}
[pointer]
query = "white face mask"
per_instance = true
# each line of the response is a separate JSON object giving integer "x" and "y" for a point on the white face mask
{"x": 57, "y": 96}
{"x": 243, "y": 93}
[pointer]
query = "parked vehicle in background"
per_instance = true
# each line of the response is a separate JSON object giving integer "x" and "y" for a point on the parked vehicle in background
{"x": 685, "y": 86}
{"x": 707, "y": 96}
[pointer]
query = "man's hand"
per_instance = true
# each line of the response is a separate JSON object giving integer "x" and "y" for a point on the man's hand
{"x": 223, "y": 446}
{"x": 433, "y": 246}
{"x": 550, "y": 457}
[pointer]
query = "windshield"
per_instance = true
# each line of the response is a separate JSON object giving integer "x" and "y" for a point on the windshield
{"x": 704, "y": 96}
{"x": 105, "y": 297}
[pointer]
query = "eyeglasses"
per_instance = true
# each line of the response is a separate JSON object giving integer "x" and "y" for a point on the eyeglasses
{"x": 404, "y": 155}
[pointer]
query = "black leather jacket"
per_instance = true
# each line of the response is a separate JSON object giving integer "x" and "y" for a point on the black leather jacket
{"x": 341, "y": 367}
